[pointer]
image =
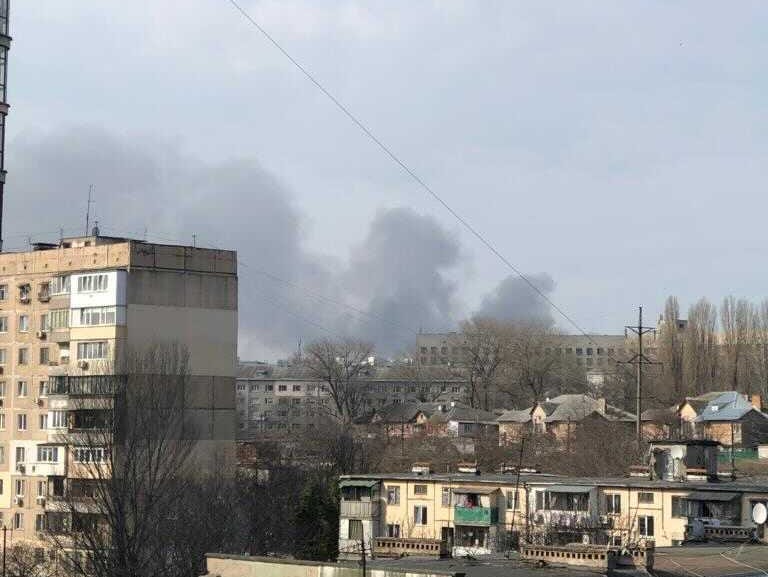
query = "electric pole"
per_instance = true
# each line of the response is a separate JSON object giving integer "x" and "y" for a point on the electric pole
{"x": 639, "y": 359}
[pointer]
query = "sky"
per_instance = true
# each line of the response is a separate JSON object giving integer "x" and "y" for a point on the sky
{"x": 612, "y": 151}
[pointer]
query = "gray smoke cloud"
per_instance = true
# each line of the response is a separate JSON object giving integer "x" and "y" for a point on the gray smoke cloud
{"x": 395, "y": 283}
{"x": 514, "y": 300}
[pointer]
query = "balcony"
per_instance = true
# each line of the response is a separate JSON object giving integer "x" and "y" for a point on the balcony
{"x": 481, "y": 516}
{"x": 359, "y": 509}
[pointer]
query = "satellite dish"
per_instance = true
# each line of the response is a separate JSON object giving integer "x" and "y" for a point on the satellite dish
{"x": 760, "y": 513}
{"x": 585, "y": 538}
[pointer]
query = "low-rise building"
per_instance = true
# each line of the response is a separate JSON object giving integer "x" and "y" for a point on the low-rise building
{"x": 484, "y": 513}
{"x": 280, "y": 401}
{"x": 731, "y": 418}
{"x": 558, "y": 417}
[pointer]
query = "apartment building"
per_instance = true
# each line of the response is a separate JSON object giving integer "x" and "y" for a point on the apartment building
{"x": 275, "y": 401}
{"x": 473, "y": 513}
{"x": 594, "y": 352}
{"x": 69, "y": 314}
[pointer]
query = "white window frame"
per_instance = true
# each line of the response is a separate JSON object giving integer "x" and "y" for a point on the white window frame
{"x": 21, "y": 421}
{"x": 57, "y": 420}
{"x": 92, "y": 350}
{"x": 47, "y": 454}
{"x": 91, "y": 283}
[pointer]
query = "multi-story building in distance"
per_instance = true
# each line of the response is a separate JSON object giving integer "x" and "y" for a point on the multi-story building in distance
{"x": 597, "y": 354}
{"x": 276, "y": 401}
{"x": 68, "y": 313}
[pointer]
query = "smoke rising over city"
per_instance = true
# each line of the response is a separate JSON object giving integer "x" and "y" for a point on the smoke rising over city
{"x": 399, "y": 279}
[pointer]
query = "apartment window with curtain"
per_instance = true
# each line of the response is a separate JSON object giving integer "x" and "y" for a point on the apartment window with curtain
{"x": 21, "y": 421}
{"x": 92, "y": 350}
{"x": 645, "y": 526}
{"x": 419, "y": 515}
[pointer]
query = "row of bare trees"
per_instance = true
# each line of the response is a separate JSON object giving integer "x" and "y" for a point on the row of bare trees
{"x": 717, "y": 349}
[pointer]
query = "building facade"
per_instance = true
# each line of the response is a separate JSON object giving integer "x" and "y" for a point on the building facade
{"x": 484, "y": 513}
{"x": 275, "y": 401}
{"x": 70, "y": 315}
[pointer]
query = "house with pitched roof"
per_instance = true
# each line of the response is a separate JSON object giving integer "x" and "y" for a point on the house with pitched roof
{"x": 558, "y": 417}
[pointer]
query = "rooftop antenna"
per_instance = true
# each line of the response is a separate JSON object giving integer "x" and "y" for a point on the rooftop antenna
{"x": 95, "y": 231}
{"x": 194, "y": 240}
{"x": 88, "y": 210}
{"x": 5, "y": 44}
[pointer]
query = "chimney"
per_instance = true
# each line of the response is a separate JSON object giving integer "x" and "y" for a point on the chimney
{"x": 601, "y": 405}
{"x": 757, "y": 402}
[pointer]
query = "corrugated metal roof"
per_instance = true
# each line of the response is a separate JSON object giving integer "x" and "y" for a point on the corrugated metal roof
{"x": 569, "y": 489}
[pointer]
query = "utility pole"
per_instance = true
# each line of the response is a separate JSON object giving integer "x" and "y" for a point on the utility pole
{"x": 639, "y": 359}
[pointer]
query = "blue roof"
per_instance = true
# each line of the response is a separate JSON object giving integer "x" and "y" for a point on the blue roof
{"x": 728, "y": 406}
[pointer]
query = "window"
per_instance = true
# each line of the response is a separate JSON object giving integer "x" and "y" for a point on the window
{"x": 599, "y": 350}
{"x": 269, "y": 388}
{"x": 579, "y": 351}
{"x": 23, "y": 323}
{"x": 2, "y": 421}
{"x": 42, "y": 389}
{"x": 92, "y": 283}
{"x": 97, "y": 316}
{"x": 23, "y": 356}
{"x": 645, "y": 498}
{"x": 24, "y": 292}
{"x": 90, "y": 454}
{"x": 60, "y": 285}
{"x": 21, "y": 455}
{"x": 45, "y": 355}
{"x": 589, "y": 351}
{"x": 613, "y": 504}
{"x": 282, "y": 388}
{"x": 21, "y": 389}
{"x": 679, "y": 508}
{"x": 254, "y": 388}
{"x": 43, "y": 421}
{"x": 3, "y": 292}
{"x": 21, "y": 421}
{"x": 92, "y": 350}
{"x": 20, "y": 486}
{"x": 445, "y": 497}
{"x": 2, "y": 357}
{"x": 419, "y": 489}
{"x": 2, "y": 461}
{"x": 645, "y": 526}
{"x": 240, "y": 388}
{"x": 2, "y": 389}
{"x": 3, "y": 324}
{"x": 393, "y": 530}
{"x": 40, "y": 526}
{"x": 296, "y": 388}
{"x": 355, "y": 529}
{"x": 18, "y": 521}
{"x": 419, "y": 515}
{"x": 47, "y": 454}
{"x": 512, "y": 500}
{"x": 58, "y": 319}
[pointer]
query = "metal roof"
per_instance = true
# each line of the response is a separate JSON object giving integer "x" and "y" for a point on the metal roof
{"x": 711, "y": 496}
{"x": 581, "y": 489}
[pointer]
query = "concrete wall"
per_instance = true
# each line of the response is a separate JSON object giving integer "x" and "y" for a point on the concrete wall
{"x": 232, "y": 566}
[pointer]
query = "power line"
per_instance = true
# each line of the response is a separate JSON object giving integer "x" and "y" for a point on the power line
{"x": 401, "y": 163}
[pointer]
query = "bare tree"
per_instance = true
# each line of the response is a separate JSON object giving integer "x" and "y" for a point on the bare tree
{"x": 125, "y": 508}
{"x": 670, "y": 350}
{"x": 735, "y": 322}
{"x": 339, "y": 364}
{"x": 700, "y": 350}
{"x": 24, "y": 560}
{"x": 488, "y": 344}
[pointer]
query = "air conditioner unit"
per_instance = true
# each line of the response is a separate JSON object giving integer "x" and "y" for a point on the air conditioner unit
{"x": 40, "y": 500}
{"x": 82, "y": 364}
{"x": 39, "y": 402}
{"x": 585, "y": 539}
{"x": 20, "y": 467}
{"x": 43, "y": 297}
{"x": 18, "y": 501}
{"x": 41, "y": 334}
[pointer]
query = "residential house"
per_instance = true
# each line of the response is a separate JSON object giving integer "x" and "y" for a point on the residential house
{"x": 558, "y": 417}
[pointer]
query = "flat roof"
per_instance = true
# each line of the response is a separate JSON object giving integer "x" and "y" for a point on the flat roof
{"x": 543, "y": 479}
